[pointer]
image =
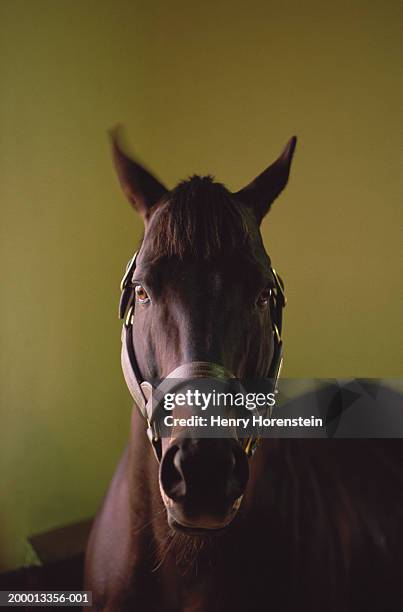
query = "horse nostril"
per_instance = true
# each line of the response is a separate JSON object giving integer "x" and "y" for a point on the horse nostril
{"x": 171, "y": 476}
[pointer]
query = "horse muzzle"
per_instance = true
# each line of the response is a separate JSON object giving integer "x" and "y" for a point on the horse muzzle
{"x": 202, "y": 482}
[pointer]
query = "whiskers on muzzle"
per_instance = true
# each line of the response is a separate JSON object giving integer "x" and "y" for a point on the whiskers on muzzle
{"x": 188, "y": 551}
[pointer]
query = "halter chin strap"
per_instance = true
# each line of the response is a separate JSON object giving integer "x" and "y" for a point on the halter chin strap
{"x": 143, "y": 391}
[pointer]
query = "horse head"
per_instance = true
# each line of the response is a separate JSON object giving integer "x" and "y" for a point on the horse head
{"x": 199, "y": 294}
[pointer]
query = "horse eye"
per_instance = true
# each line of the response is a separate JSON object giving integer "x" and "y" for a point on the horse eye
{"x": 141, "y": 294}
{"x": 264, "y": 297}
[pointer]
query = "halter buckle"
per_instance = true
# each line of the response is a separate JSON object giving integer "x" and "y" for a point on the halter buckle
{"x": 129, "y": 272}
{"x": 129, "y": 316}
{"x": 276, "y": 333}
{"x": 279, "y": 287}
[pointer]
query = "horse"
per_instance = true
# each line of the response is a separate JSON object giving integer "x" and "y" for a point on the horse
{"x": 211, "y": 525}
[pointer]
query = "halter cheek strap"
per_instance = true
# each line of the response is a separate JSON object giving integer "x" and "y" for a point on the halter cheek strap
{"x": 142, "y": 391}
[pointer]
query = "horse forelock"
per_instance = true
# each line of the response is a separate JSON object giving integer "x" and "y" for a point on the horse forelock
{"x": 199, "y": 219}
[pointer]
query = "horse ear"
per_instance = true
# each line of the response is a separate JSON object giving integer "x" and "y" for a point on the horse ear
{"x": 261, "y": 192}
{"x": 142, "y": 189}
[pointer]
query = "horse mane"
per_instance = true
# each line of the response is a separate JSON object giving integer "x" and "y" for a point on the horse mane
{"x": 198, "y": 219}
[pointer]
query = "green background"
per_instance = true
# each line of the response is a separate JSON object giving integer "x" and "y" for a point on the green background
{"x": 213, "y": 87}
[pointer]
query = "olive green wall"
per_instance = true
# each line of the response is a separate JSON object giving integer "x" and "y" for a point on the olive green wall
{"x": 216, "y": 87}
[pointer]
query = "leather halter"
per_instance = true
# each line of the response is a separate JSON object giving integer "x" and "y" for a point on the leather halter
{"x": 142, "y": 390}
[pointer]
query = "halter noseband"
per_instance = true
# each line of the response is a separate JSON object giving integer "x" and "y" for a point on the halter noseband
{"x": 141, "y": 390}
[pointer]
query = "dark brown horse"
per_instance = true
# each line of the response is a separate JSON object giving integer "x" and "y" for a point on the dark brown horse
{"x": 197, "y": 525}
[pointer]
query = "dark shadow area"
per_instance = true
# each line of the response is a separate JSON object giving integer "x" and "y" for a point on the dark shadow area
{"x": 58, "y": 576}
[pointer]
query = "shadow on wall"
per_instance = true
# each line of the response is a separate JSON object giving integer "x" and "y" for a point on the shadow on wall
{"x": 59, "y": 558}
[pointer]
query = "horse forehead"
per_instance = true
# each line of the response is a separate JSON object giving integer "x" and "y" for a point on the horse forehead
{"x": 216, "y": 273}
